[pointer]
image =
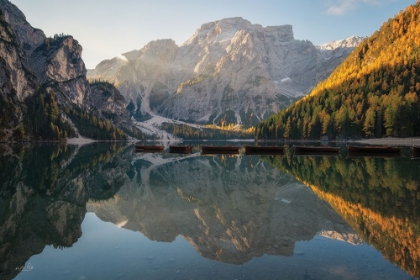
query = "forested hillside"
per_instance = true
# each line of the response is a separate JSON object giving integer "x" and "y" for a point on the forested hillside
{"x": 373, "y": 93}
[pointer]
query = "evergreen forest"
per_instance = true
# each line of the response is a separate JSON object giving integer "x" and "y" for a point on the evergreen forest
{"x": 373, "y": 93}
{"x": 216, "y": 133}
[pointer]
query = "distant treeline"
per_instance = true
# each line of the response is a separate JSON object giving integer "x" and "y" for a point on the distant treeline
{"x": 188, "y": 132}
{"x": 101, "y": 82}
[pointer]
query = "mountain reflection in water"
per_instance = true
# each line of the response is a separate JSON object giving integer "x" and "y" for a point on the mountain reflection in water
{"x": 229, "y": 208}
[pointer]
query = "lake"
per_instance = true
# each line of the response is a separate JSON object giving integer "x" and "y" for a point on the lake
{"x": 101, "y": 211}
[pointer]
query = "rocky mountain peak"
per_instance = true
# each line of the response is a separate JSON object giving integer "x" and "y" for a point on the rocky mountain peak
{"x": 218, "y": 27}
{"x": 225, "y": 30}
{"x": 27, "y": 36}
{"x": 284, "y": 32}
{"x": 159, "y": 50}
{"x": 65, "y": 59}
{"x": 350, "y": 42}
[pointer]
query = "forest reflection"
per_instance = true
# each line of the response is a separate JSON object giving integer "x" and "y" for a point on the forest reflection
{"x": 378, "y": 197}
{"x": 43, "y": 193}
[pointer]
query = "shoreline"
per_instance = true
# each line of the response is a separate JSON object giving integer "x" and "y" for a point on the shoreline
{"x": 80, "y": 141}
{"x": 390, "y": 141}
{"x": 410, "y": 141}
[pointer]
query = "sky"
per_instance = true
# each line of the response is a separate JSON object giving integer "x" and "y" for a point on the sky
{"x": 108, "y": 28}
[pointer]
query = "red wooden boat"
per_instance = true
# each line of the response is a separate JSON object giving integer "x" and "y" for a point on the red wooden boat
{"x": 142, "y": 148}
{"x": 312, "y": 150}
{"x": 415, "y": 152}
{"x": 373, "y": 150}
{"x": 219, "y": 150}
{"x": 180, "y": 149}
{"x": 263, "y": 150}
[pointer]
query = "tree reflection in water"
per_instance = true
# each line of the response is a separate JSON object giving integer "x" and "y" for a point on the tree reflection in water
{"x": 378, "y": 197}
{"x": 43, "y": 195}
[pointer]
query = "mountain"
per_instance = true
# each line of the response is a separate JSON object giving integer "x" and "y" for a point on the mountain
{"x": 373, "y": 93}
{"x": 44, "y": 90}
{"x": 229, "y": 72}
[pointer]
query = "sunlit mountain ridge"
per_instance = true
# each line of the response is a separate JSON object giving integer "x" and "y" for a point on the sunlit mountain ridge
{"x": 373, "y": 93}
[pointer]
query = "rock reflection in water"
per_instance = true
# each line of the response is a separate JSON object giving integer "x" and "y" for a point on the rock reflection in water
{"x": 229, "y": 208}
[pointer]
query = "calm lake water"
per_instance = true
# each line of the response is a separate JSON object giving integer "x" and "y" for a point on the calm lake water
{"x": 103, "y": 212}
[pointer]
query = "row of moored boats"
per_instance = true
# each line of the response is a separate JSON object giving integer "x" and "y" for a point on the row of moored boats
{"x": 276, "y": 150}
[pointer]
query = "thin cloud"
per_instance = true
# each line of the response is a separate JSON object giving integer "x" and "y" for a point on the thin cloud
{"x": 122, "y": 57}
{"x": 340, "y": 7}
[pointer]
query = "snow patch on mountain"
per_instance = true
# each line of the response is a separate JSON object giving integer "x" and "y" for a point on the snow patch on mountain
{"x": 350, "y": 42}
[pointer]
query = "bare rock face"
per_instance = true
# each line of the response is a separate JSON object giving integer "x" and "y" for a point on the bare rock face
{"x": 53, "y": 60}
{"x": 110, "y": 103}
{"x": 34, "y": 68}
{"x": 141, "y": 76}
{"x": 26, "y": 36}
{"x": 229, "y": 69}
{"x": 58, "y": 63}
{"x": 17, "y": 81}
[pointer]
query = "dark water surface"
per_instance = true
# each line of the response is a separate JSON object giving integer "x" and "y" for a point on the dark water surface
{"x": 103, "y": 212}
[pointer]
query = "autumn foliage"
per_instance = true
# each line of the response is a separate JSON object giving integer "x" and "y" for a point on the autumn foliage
{"x": 373, "y": 93}
{"x": 378, "y": 198}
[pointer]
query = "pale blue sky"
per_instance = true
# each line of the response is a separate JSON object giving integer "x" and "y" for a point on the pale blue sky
{"x": 107, "y": 28}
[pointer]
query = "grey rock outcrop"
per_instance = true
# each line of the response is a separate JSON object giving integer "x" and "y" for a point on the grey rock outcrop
{"x": 58, "y": 65}
{"x": 34, "y": 68}
{"x": 110, "y": 104}
{"x": 26, "y": 36}
{"x": 17, "y": 81}
{"x": 229, "y": 69}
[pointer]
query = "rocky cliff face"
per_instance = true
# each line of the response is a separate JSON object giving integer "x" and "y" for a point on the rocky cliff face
{"x": 54, "y": 61}
{"x": 16, "y": 80}
{"x": 59, "y": 67}
{"x": 27, "y": 37}
{"x": 35, "y": 71}
{"x": 110, "y": 104}
{"x": 229, "y": 69}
